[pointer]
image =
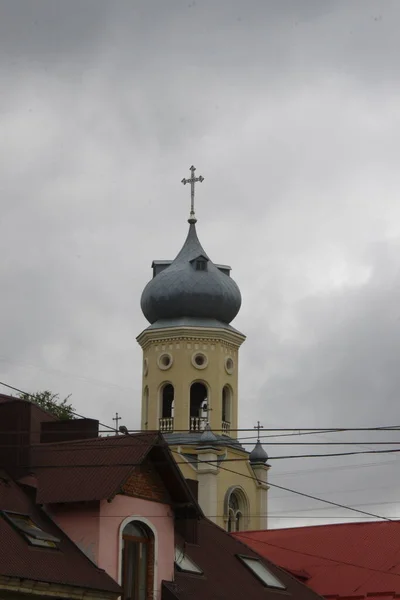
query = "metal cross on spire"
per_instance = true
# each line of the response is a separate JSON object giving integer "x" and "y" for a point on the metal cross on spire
{"x": 192, "y": 180}
{"x": 258, "y": 427}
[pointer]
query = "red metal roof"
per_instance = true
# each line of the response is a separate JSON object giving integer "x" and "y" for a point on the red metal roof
{"x": 225, "y": 576}
{"x": 90, "y": 469}
{"x": 65, "y": 565}
{"x": 340, "y": 560}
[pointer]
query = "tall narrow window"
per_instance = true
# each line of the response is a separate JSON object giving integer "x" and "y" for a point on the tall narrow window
{"x": 198, "y": 406}
{"x": 167, "y": 408}
{"x": 167, "y": 401}
{"x": 226, "y": 409}
{"x": 146, "y": 407}
{"x": 236, "y": 509}
{"x": 234, "y": 514}
{"x": 137, "y": 561}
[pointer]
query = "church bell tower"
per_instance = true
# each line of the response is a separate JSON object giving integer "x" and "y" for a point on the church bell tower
{"x": 190, "y": 380}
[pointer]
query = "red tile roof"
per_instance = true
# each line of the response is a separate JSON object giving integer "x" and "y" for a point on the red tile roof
{"x": 340, "y": 560}
{"x": 66, "y": 565}
{"x": 224, "y": 575}
{"x": 90, "y": 469}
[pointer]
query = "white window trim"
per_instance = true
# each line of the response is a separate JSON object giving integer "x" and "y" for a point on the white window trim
{"x": 155, "y": 534}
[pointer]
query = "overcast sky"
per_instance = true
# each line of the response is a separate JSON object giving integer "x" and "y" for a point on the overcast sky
{"x": 291, "y": 112}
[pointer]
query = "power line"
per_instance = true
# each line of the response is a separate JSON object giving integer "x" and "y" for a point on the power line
{"x": 33, "y": 396}
{"x": 333, "y": 560}
{"x": 333, "y": 507}
{"x": 304, "y": 495}
{"x": 100, "y": 445}
{"x": 295, "y": 430}
{"x": 338, "y": 505}
{"x": 300, "y": 472}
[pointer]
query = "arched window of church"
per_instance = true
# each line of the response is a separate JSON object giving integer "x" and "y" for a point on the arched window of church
{"x": 146, "y": 407}
{"x": 137, "y": 561}
{"x": 167, "y": 401}
{"x": 198, "y": 406}
{"x": 234, "y": 513}
{"x": 167, "y": 408}
{"x": 226, "y": 409}
{"x": 236, "y": 510}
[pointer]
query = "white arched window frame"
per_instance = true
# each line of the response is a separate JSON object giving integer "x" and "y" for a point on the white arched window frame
{"x": 144, "y": 521}
{"x": 236, "y": 509}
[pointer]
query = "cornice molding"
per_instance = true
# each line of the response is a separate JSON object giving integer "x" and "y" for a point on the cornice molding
{"x": 205, "y": 334}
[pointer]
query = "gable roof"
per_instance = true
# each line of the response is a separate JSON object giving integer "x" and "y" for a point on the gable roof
{"x": 86, "y": 470}
{"x": 224, "y": 575}
{"x": 96, "y": 469}
{"x": 339, "y": 560}
{"x": 65, "y": 565}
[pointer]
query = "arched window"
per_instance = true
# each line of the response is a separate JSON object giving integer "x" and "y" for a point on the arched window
{"x": 226, "y": 409}
{"x": 236, "y": 509}
{"x": 198, "y": 406}
{"x": 146, "y": 407}
{"x": 167, "y": 401}
{"x": 137, "y": 561}
{"x": 167, "y": 408}
{"x": 234, "y": 513}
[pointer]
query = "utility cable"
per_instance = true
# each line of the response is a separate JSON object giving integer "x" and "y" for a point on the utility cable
{"x": 241, "y": 536}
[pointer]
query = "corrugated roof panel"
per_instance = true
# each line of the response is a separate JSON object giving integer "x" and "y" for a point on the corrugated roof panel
{"x": 345, "y": 559}
{"x": 65, "y": 565}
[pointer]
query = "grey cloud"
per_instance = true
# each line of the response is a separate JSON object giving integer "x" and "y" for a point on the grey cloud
{"x": 290, "y": 111}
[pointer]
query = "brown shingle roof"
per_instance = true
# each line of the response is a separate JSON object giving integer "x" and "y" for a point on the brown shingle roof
{"x": 86, "y": 470}
{"x": 66, "y": 565}
{"x": 224, "y": 575}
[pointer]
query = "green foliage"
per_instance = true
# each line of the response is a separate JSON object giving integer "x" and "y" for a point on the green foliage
{"x": 51, "y": 402}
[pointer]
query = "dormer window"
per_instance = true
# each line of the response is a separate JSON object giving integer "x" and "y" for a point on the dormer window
{"x": 30, "y": 531}
{"x": 261, "y": 572}
{"x": 200, "y": 263}
{"x": 184, "y": 563}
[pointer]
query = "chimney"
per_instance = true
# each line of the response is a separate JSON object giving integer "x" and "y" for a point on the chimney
{"x": 20, "y": 428}
{"x": 71, "y": 429}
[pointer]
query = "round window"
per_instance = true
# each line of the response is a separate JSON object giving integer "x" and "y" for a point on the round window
{"x": 199, "y": 360}
{"x": 145, "y": 367}
{"x": 165, "y": 361}
{"x": 229, "y": 365}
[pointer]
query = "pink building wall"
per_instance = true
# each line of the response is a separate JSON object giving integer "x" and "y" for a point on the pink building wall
{"x": 97, "y": 530}
{"x": 81, "y": 522}
{"x": 159, "y": 517}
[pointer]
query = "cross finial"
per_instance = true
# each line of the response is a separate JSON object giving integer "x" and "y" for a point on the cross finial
{"x": 192, "y": 180}
{"x": 258, "y": 427}
{"x": 117, "y": 418}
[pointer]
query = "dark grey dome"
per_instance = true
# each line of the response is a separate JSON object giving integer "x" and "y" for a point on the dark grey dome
{"x": 258, "y": 455}
{"x": 191, "y": 286}
{"x": 208, "y": 437}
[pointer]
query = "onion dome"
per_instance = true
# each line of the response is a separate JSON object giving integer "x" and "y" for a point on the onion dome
{"x": 191, "y": 286}
{"x": 208, "y": 437}
{"x": 258, "y": 456}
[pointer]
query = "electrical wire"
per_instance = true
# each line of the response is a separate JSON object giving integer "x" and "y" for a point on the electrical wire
{"x": 241, "y": 536}
{"x": 302, "y": 494}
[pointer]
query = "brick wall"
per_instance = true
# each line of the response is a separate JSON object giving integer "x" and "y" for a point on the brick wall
{"x": 146, "y": 483}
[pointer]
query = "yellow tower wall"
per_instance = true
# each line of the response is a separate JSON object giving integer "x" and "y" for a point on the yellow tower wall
{"x": 219, "y": 349}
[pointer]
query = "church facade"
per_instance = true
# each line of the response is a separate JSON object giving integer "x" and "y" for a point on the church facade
{"x": 190, "y": 382}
